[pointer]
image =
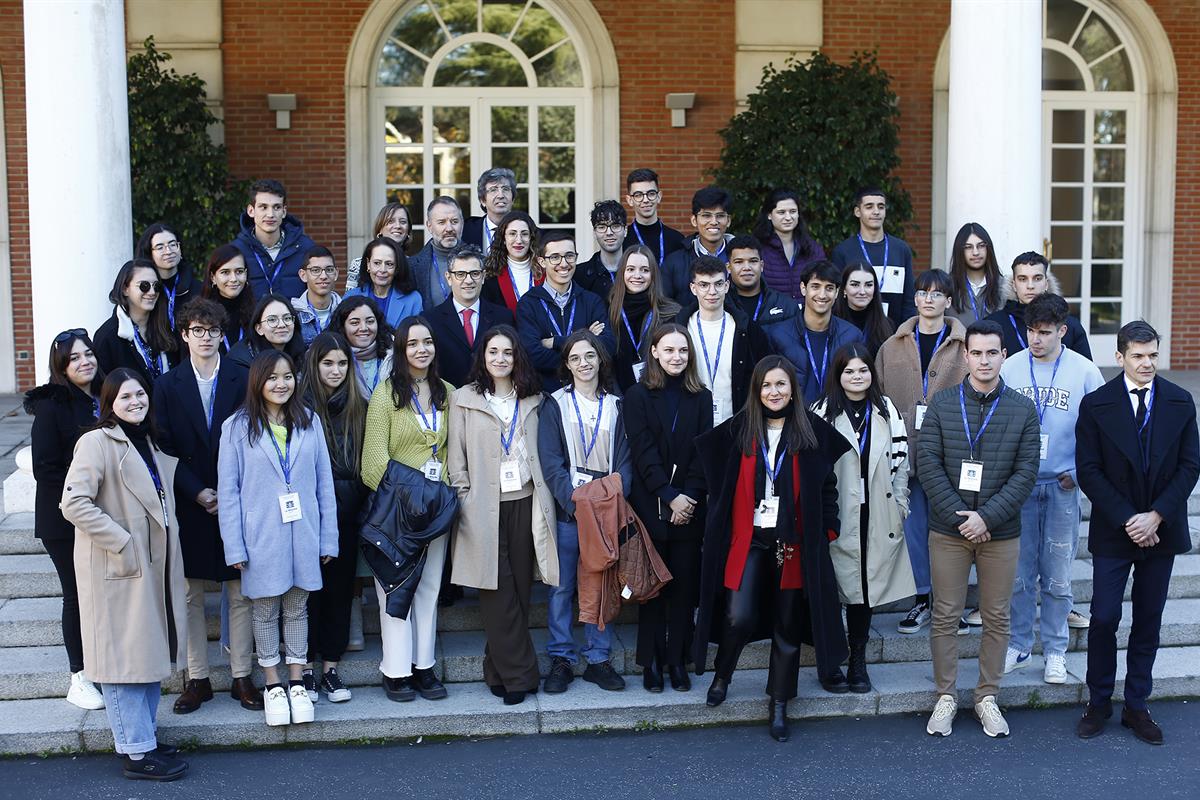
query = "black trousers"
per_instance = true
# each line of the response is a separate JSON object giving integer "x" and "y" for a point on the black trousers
{"x": 329, "y": 608}
{"x": 509, "y": 659}
{"x": 858, "y": 623}
{"x": 62, "y": 555}
{"x": 759, "y": 597}
{"x": 667, "y": 622}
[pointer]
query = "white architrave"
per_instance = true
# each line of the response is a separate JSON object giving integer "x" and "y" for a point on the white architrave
{"x": 8, "y": 350}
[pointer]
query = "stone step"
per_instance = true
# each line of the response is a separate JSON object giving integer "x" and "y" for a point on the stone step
{"x": 45, "y": 726}
{"x": 28, "y": 576}
{"x": 16, "y": 536}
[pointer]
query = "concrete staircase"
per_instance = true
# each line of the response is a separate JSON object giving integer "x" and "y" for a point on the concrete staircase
{"x": 33, "y": 674}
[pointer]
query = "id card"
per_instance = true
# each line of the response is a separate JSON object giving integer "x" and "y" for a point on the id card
{"x": 626, "y": 592}
{"x": 893, "y": 280}
{"x": 432, "y": 469}
{"x": 1045, "y": 445}
{"x": 919, "y": 415}
{"x": 580, "y": 479}
{"x": 638, "y": 369}
{"x": 970, "y": 477}
{"x": 289, "y": 507}
{"x": 767, "y": 513}
{"x": 510, "y": 475}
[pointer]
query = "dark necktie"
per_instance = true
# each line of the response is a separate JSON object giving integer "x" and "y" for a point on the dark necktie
{"x": 1139, "y": 421}
{"x": 1140, "y": 416}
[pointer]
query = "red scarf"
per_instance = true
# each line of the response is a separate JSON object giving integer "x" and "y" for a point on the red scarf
{"x": 743, "y": 528}
{"x": 504, "y": 279}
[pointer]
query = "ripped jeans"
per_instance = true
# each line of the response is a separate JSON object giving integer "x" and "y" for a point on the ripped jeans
{"x": 1049, "y": 536}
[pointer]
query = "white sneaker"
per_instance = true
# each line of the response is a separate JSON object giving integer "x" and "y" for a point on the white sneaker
{"x": 941, "y": 721}
{"x": 1077, "y": 620}
{"x": 973, "y": 618}
{"x": 991, "y": 718}
{"x": 302, "y": 706}
{"x": 1056, "y": 669}
{"x": 1015, "y": 659}
{"x": 83, "y": 693}
{"x": 275, "y": 705}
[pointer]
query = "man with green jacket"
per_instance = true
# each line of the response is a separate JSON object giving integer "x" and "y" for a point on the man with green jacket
{"x": 978, "y": 458}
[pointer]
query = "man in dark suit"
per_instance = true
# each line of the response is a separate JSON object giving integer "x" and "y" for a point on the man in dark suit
{"x": 1138, "y": 459}
{"x": 191, "y": 402}
{"x": 497, "y": 189}
{"x": 460, "y": 322}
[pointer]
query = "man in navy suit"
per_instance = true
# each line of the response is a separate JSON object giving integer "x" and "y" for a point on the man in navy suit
{"x": 1138, "y": 459}
{"x": 460, "y": 321}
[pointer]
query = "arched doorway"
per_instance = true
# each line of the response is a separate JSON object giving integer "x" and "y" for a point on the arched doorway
{"x": 1106, "y": 192}
{"x": 445, "y": 89}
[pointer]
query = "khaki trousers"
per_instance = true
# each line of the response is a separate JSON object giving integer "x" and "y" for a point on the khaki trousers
{"x": 241, "y": 635}
{"x": 950, "y": 559}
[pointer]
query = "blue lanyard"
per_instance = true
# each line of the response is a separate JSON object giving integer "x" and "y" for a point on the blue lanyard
{"x": 887, "y": 246}
{"x": 212, "y": 398}
{"x": 512, "y": 428}
{"x": 95, "y": 408}
{"x": 588, "y": 447}
{"x": 554, "y": 322}
{"x": 171, "y": 299}
{"x": 762, "y": 293}
{"x": 962, "y": 401}
{"x": 431, "y": 426}
{"x": 637, "y": 341}
{"x": 773, "y": 471}
{"x": 285, "y": 456}
{"x": 662, "y": 239}
{"x": 487, "y": 235}
{"x": 152, "y": 362}
{"x": 711, "y": 367}
{"x": 513, "y": 280}
{"x": 437, "y": 270}
{"x": 375, "y": 381}
{"x": 925, "y": 373}
{"x": 225, "y": 339}
{"x": 971, "y": 295}
{"x": 1042, "y": 406}
{"x": 1017, "y": 331}
{"x": 862, "y": 436}
{"x": 271, "y": 278}
{"x": 316, "y": 318}
{"x": 818, "y": 371}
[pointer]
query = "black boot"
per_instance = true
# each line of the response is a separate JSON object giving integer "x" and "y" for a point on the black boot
{"x": 835, "y": 682}
{"x": 777, "y": 716}
{"x": 652, "y": 677}
{"x": 717, "y": 692}
{"x": 856, "y": 672}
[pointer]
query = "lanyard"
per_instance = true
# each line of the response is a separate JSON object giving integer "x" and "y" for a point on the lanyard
{"x": 1017, "y": 331}
{"x": 862, "y": 435}
{"x": 588, "y": 447}
{"x": 962, "y": 401}
{"x": 711, "y": 366}
{"x": 428, "y": 425}
{"x": 1042, "y": 406}
{"x": 225, "y": 339}
{"x": 284, "y": 456}
{"x": 662, "y": 239}
{"x": 270, "y": 278}
{"x": 554, "y": 322}
{"x": 925, "y": 373}
{"x": 818, "y": 371}
{"x": 95, "y": 408}
{"x": 487, "y": 234}
{"x": 773, "y": 471}
{"x": 374, "y": 381}
{"x": 437, "y": 271}
{"x": 762, "y": 293}
{"x": 316, "y": 318}
{"x": 212, "y": 399}
{"x": 152, "y": 362}
{"x": 887, "y": 246}
{"x": 506, "y": 443}
{"x": 971, "y": 295}
{"x": 170, "y": 293}
{"x": 637, "y": 341}
{"x": 513, "y": 280}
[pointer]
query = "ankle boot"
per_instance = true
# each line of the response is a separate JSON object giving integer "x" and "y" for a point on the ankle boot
{"x": 717, "y": 692}
{"x": 856, "y": 672}
{"x": 777, "y": 716}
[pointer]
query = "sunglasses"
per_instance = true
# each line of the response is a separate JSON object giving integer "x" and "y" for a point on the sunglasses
{"x": 66, "y": 336}
{"x": 145, "y": 287}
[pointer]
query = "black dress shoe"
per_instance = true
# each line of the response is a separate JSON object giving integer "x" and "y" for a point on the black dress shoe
{"x": 399, "y": 690}
{"x": 497, "y": 691}
{"x": 652, "y": 678}
{"x": 427, "y": 684}
{"x": 514, "y": 698}
{"x": 717, "y": 692}
{"x": 1091, "y": 724}
{"x": 835, "y": 683}
{"x": 560, "y": 675}
{"x": 1144, "y": 728}
{"x": 196, "y": 691}
{"x": 680, "y": 681}
{"x": 778, "y": 725}
{"x": 155, "y": 767}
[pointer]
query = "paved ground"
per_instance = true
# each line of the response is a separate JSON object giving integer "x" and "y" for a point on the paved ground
{"x": 836, "y": 758}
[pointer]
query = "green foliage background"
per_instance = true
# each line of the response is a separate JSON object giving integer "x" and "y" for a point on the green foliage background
{"x": 823, "y": 129}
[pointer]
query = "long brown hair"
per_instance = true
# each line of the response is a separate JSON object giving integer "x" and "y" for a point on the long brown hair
{"x": 295, "y": 415}
{"x": 351, "y": 407}
{"x": 958, "y": 270}
{"x": 108, "y": 395}
{"x": 524, "y": 377}
{"x": 604, "y": 364}
{"x": 158, "y": 333}
{"x": 240, "y": 308}
{"x": 878, "y": 327}
{"x": 496, "y": 260}
{"x": 660, "y": 306}
{"x": 402, "y": 381}
{"x": 60, "y": 359}
{"x": 797, "y": 430}
{"x": 655, "y": 377}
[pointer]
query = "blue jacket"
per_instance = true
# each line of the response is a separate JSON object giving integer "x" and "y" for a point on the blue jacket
{"x": 787, "y": 339}
{"x": 260, "y": 267}
{"x": 534, "y": 313}
{"x": 278, "y": 555}
{"x": 306, "y": 318}
{"x": 428, "y": 273}
{"x": 395, "y": 307}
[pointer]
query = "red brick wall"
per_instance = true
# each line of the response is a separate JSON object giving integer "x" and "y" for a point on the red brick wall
{"x": 12, "y": 70}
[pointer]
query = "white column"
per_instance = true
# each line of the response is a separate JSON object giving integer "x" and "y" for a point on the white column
{"x": 77, "y": 124}
{"x": 994, "y": 150}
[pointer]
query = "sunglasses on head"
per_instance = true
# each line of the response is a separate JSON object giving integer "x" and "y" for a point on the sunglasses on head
{"x": 145, "y": 287}
{"x": 66, "y": 336}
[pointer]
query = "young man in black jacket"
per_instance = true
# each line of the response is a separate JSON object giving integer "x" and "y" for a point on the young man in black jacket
{"x": 710, "y": 217}
{"x": 644, "y": 195}
{"x": 978, "y": 457}
{"x": 1138, "y": 458}
{"x": 763, "y": 304}
{"x": 608, "y": 225}
{"x": 1031, "y": 278}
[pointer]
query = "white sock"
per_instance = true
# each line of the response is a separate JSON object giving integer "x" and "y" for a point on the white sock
{"x": 136, "y": 756}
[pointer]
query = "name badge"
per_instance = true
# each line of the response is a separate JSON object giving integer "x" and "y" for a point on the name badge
{"x": 289, "y": 507}
{"x": 580, "y": 479}
{"x": 626, "y": 592}
{"x": 919, "y": 415}
{"x": 432, "y": 469}
{"x": 1045, "y": 445}
{"x": 638, "y": 369}
{"x": 510, "y": 475}
{"x": 970, "y": 477}
{"x": 893, "y": 280}
{"x": 767, "y": 513}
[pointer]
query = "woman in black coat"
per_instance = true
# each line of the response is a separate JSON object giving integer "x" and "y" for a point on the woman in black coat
{"x": 762, "y": 575}
{"x": 664, "y": 413}
{"x": 138, "y": 335}
{"x": 61, "y": 409}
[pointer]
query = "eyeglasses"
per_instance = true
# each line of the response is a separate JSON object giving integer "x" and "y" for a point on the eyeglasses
{"x": 613, "y": 227}
{"x": 704, "y": 287}
{"x": 66, "y": 336}
{"x": 146, "y": 287}
{"x": 708, "y": 216}
{"x": 498, "y": 188}
{"x": 163, "y": 247}
{"x": 462, "y": 275}
{"x": 276, "y": 322}
{"x": 921, "y": 294}
{"x": 318, "y": 271}
{"x": 980, "y": 247}
{"x": 590, "y": 357}
{"x": 640, "y": 196}
{"x": 200, "y": 332}
{"x": 558, "y": 258}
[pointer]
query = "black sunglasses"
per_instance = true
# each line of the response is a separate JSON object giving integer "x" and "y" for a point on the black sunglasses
{"x": 66, "y": 336}
{"x": 146, "y": 286}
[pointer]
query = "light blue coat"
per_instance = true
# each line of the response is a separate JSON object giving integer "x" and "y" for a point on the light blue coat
{"x": 278, "y": 555}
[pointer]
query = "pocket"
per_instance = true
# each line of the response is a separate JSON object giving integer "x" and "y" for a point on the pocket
{"x": 123, "y": 565}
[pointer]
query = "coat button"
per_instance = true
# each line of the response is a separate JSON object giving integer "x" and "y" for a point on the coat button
{"x": 889, "y": 494}
{"x": 397, "y": 563}
{"x": 379, "y": 544}
{"x": 933, "y": 373}
{"x": 891, "y": 536}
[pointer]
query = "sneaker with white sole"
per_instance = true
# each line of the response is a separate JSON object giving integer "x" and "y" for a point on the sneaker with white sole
{"x": 302, "y": 706}
{"x": 963, "y": 628}
{"x": 1056, "y": 668}
{"x": 918, "y": 617}
{"x": 310, "y": 685}
{"x": 1015, "y": 659}
{"x": 973, "y": 617}
{"x": 1077, "y": 620}
{"x": 332, "y": 686}
{"x": 83, "y": 693}
{"x": 275, "y": 706}
{"x": 991, "y": 718}
{"x": 941, "y": 721}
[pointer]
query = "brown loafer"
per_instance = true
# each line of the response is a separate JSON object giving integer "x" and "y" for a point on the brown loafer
{"x": 1144, "y": 728}
{"x": 246, "y": 693}
{"x": 195, "y": 692}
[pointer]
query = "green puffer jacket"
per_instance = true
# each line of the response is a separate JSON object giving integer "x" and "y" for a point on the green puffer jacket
{"x": 1009, "y": 450}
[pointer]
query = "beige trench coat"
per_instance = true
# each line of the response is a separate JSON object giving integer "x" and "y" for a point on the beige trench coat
{"x": 132, "y": 597}
{"x": 473, "y": 467}
{"x": 889, "y": 572}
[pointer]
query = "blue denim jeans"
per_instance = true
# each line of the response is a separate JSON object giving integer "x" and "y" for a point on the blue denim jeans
{"x": 561, "y": 610}
{"x": 132, "y": 709}
{"x": 916, "y": 534}
{"x": 1049, "y": 536}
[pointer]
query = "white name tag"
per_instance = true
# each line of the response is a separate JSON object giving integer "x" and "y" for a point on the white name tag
{"x": 970, "y": 477}
{"x": 510, "y": 475}
{"x": 893, "y": 280}
{"x": 580, "y": 479}
{"x": 289, "y": 507}
{"x": 432, "y": 469}
{"x": 767, "y": 513}
{"x": 626, "y": 593}
{"x": 1045, "y": 445}
{"x": 919, "y": 415}
{"x": 638, "y": 369}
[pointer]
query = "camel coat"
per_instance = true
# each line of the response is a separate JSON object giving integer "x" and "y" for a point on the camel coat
{"x": 132, "y": 597}
{"x": 473, "y": 468}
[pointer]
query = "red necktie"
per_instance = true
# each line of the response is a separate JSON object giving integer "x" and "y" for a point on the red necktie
{"x": 467, "y": 329}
